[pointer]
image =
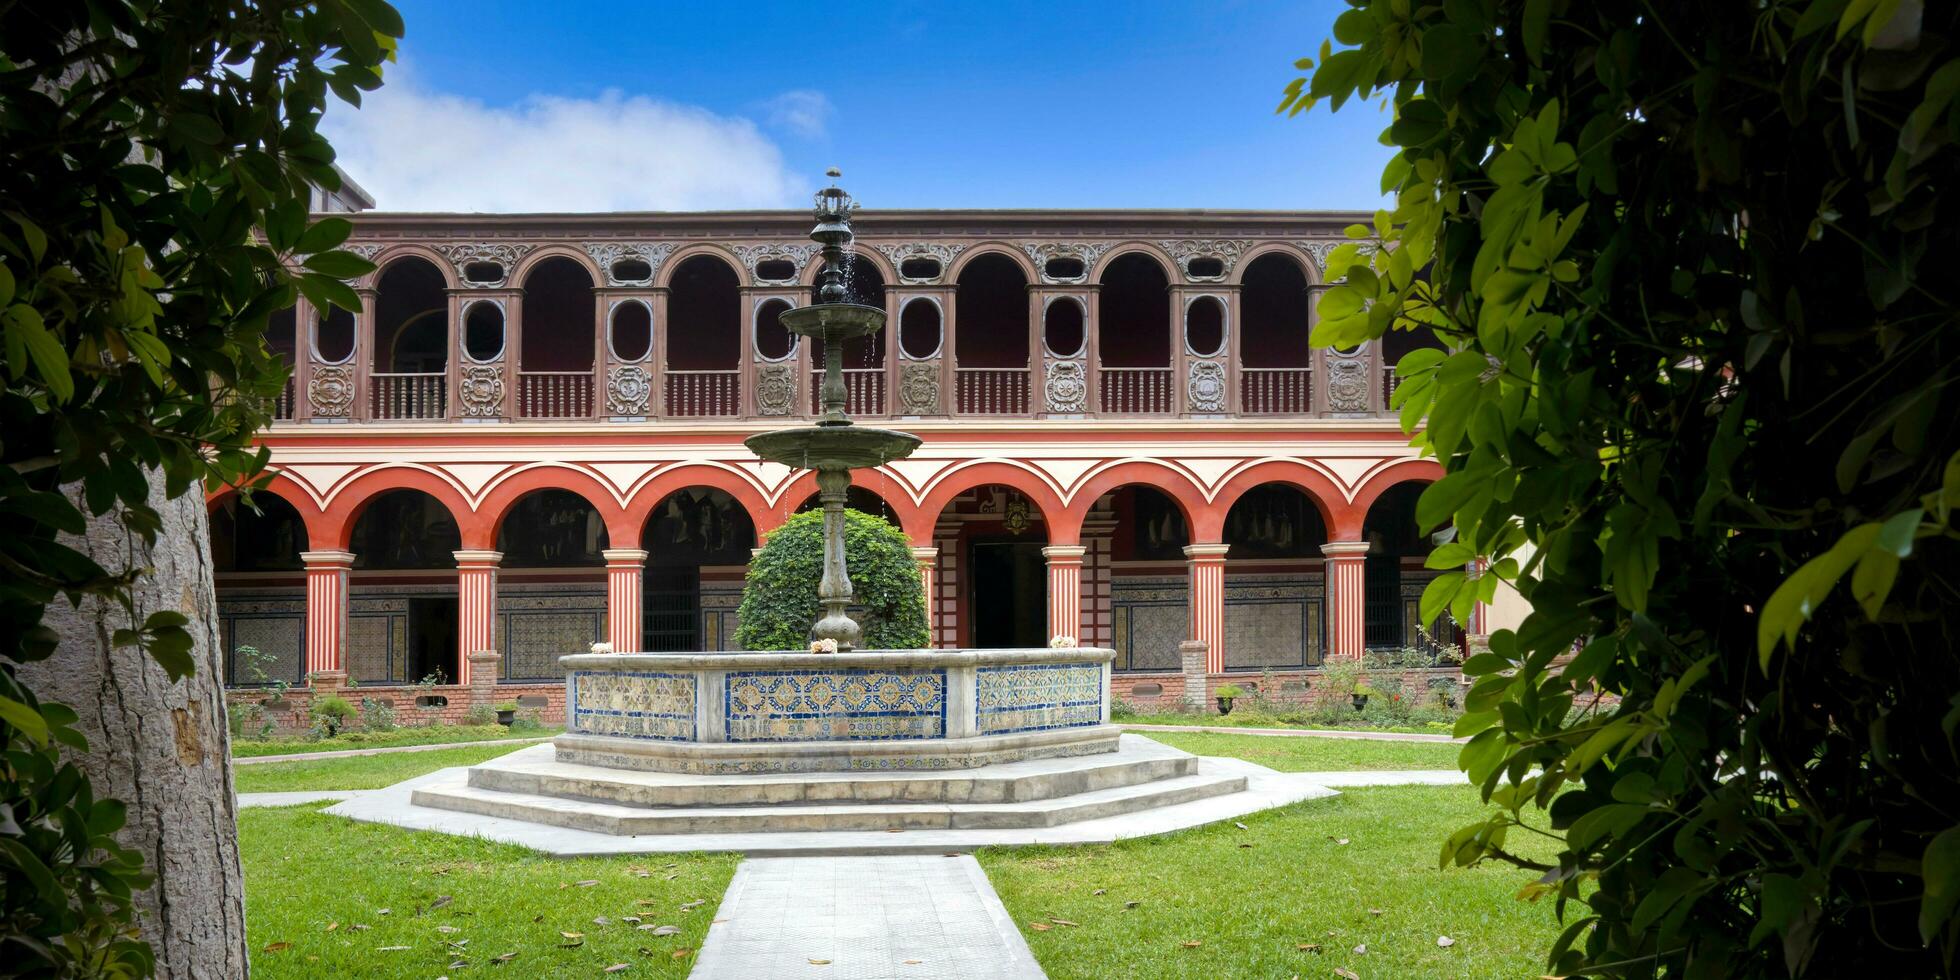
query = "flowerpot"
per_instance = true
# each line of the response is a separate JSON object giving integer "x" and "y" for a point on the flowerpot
{"x": 505, "y": 718}
{"x": 1224, "y": 706}
{"x": 1360, "y": 701}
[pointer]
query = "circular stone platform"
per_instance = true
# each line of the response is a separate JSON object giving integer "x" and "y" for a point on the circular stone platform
{"x": 733, "y": 713}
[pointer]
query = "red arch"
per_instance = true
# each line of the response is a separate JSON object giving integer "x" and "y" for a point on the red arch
{"x": 877, "y": 481}
{"x": 1406, "y": 471}
{"x": 1054, "y": 513}
{"x": 281, "y": 486}
{"x": 351, "y": 500}
{"x": 1150, "y": 473}
{"x": 666, "y": 482}
{"x": 1342, "y": 520}
{"x": 498, "y": 503}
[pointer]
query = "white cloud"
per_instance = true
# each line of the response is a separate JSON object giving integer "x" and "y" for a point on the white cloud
{"x": 418, "y": 150}
{"x": 803, "y": 112}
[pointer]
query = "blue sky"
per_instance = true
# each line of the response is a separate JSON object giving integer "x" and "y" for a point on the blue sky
{"x": 502, "y": 105}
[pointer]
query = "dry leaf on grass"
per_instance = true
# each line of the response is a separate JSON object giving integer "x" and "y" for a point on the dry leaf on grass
{"x": 1193, "y": 943}
{"x": 618, "y": 968}
{"x": 1308, "y": 947}
{"x": 587, "y": 883}
{"x": 661, "y": 930}
{"x": 1239, "y": 825}
{"x": 391, "y": 949}
{"x": 913, "y": 962}
{"x": 447, "y": 929}
{"x": 441, "y": 900}
{"x": 360, "y": 927}
{"x": 505, "y": 958}
{"x": 1040, "y": 926}
{"x": 1064, "y": 922}
{"x": 681, "y": 954}
{"x": 1131, "y": 904}
{"x": 691, "y": 906}
{"x": 382, "y": 911}
{"x": 600, "y": 920}
{"x": 277, "y": 947}
{"x": 1100, "y": 891}
{"x": 1361, "y": 950}
{"x": 331, "y": 926}
{"x": 817, "y": 962}
{"x": 1445, "y": 941}
{"x": 1346, "y": 973}
{"x": 1374, "y": 911}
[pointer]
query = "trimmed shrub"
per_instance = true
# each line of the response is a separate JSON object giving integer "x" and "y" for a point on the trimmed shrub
{"x": 779, "y": 599}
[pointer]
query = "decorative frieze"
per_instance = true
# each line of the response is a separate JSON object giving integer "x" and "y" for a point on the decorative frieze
{"x": 1067, "y": 387}
{"x": 629, "y": 387}
{"x": 918, "y": 388}
{"x": 366, "y": 250}
{"x": 752, "y": 256}
{"x": 775, "y": 389}
{"x": 1044, "y": 252}
{"x": 504, "y": 255}
{"x": 331, "y": 392}
{"x": 1225, "y": 250}
{"x": 609, "y": 254}
{"x": 482, "y": 391}
{"x": 1205, "y": 387}
{"x": 941, "y": 253}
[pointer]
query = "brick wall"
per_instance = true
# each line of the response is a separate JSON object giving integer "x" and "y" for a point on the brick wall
{"x": 1299, "y": 687}
{"x": 407, "y": 714}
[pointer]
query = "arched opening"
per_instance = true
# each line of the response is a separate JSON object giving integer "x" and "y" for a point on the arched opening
{"x": 1204, "y": 327}
{"x": 1275, "y": 588}
{"x": 1064, "y": 327}
{"x": 773, "y": 341}
{"x": 993, "y": 578}
{"x": 282, "y": 342}
{"x": 1133, "y": 336}
{"x": 1274, "y": 360}
{"x": 698, "y": 541}
{"x": 260, "y": 585}
{"x": 861, "y": 499}
{"x": 1395, "y": 577}
{"x": 919, "y": 329}
{"x": 551, "y": 585}
{"x": 1135, "y": 588}
{"x": 411, "y": 342}
{"x": 864, "y": 357}
{"x": 990, "y": 345}
{"x": 401, "y": 607}
{"x": 555, "y": 359}
{"x": 704, "y": 339}
{"x": 631, "y": 330}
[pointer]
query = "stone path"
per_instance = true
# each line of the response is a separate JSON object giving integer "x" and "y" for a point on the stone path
{"x": 382, "y": 750}
{"x": 1296, "y": 732}
{"x": 863, "y": 918}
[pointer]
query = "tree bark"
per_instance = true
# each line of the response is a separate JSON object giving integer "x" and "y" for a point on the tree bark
{"x": 162, "y": 747}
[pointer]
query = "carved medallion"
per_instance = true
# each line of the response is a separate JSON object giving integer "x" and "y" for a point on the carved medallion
{"x": 1042, "y": 252}
{"x": 775, "y": 389}
{"x": 918, "y": 388}
{"x": 1206, "y": 387}
{"x": 609, "y": 254}
{"x": 796, "y": 255}
{"x": 482, "y": 391}
{"x": 1068, "y": 388}
{"x": 501, "y": 254}
{"x": 943, "y": 254}
{"x": 1347, "y": 382}
{"x": 331, "y": 391}
{"x": 628, "y": 389}
{"x": 1225, "y": 250}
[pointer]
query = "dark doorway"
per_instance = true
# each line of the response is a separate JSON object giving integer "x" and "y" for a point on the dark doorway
{"x": 432, "y": 637}
{"x": 1009, "y": 594}
{"x": 671, "y": 616}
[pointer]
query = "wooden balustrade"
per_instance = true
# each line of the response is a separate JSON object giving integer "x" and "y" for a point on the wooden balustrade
{"x": 1275, "y": 391}
{"x": 698, "y": 393}
{"x": 405, "y": 395}
{"x": 991, "y": 391}
{"x": 282, "y": 404}
{"x": 554, "y": 394}
{"x": 1135, "y": 391}
{"x": 864, "y": 391}
{"x": 1389, "y": 383}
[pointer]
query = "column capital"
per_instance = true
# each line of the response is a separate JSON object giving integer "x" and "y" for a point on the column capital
{"x": 1064, "y": 553}
{"x": 925, "y": 554}
{"x": 327, "y": 559}
{"x": 1345, "y": 549}
{"x": 478, "y": 559}
{"x": 1206, "y": 552}
{"x": 625, "y": 556}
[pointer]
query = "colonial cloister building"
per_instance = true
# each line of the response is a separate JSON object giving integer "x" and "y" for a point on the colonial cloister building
{"x": 530, "y": 438}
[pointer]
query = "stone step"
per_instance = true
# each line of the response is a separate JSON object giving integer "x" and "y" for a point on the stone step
{"x": 612, "y": 818}
{"x": 537, "y": 773}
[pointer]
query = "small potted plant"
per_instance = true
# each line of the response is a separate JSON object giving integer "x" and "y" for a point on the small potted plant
{"x": 1360, "y": 696}
{"x": 506, "y": 713}
{"x": 332, "y": 711}
{"x": 1226, "y": 694}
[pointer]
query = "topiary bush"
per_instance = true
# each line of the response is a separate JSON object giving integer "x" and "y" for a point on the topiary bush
{"x": 779, "y": 599}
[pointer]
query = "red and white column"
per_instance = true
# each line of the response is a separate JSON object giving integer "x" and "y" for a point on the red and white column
{"x": 1347, "y": 591}
{"x": 1207, "y": 565}
{"x": 326, "y": 608}
{"x": 625, "y": 568}
{"x": 1064, "y": 589}
{"x": 476, "y": 606}
{"x": 928, "y": 559}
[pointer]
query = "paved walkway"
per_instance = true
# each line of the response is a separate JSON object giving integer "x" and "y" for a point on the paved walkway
{"x": 1295, "y": 732}
{"x": 863, "y": 918}
{"x": 381, "y": 750}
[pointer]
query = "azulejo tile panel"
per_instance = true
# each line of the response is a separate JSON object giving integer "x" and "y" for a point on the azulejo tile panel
{"x": 1038, "y": 697}
{"x": 632, "y": 704}
{"x": 834, "y": 705}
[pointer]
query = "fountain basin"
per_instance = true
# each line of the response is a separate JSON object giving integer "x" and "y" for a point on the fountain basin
{"x": 832, "y": 447}
{"x": 728, "y": 713}
{"x": 834, "y": 321}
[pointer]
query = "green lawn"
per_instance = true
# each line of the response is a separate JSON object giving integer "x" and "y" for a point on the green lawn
{"x": 1250, "y": 718}
{"x": 358, "y": 772}
{"x": 1307, "y": 754}
{"x": 326, "y": 897}
{"x": 428, "y": 735}
{"x": 1251, "y": 908}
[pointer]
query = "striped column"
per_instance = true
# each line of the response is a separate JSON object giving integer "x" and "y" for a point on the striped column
{"x": 928, "y": 559}
{"x": 625, "y": 569}
{"x": 1064, "y": 589}
{"x": 326, "y": 608}
{"x": 1347, "y": 593}
{"x": 1207, "y": 565}
{"x": 476, "y": 606}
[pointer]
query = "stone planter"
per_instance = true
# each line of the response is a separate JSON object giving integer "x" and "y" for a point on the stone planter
{"x": 1359, "y": 701}
{"x": 1225, "y": 706}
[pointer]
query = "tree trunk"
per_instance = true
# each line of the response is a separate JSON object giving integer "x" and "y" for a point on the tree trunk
{"x": 160, "y": 747}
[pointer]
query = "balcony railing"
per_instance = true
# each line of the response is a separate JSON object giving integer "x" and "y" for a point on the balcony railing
{"x": 697, "y": 393}
{"x": 554, "y": 394}
{"x": 1135, "y": 391}
{"x": 864, "y": 391}
{"x": 991, "y": 391}
{"x": 282, "y": 404}
{"x": 402, "y": 395}
{"x": 1389, "y": 383}
{"x": 1275, "y": 391}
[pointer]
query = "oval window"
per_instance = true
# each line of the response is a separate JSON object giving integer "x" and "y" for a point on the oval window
{"x": 918, "y": 329}
{"x": 1204, "y": 326}
{"x": 1061, "y": 328}
{"x": 632, "y": 331}
{"x": 484, "y": 272}
{"x": 633, "y": 271}
{"x": 1064, "y": 268}
{"x": 775, "y": 270}
{"x": 918, "y": 269}
{"x": 772, "y": 341}
{"x": 483, "y": 331}
{"x": 1205, "y": 268}
{"x": 334, "y": 335}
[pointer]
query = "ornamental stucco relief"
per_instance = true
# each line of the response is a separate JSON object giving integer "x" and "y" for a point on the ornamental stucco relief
{"x": 608, "y": 254}
{"x": 1225, "y": 250}
{"x": 1206, "y": 387}
{"x": 628, "y": 389}
{"x": 1067, "y": 388}
{"x": 918, "y": 388}
{"x": 331, "y": 392}
{"x": 366, "y": 250}
{"x": 775, "y": 389}
{"x": 482, "y": 391}
{"x": 941, "y": 253}
{"x": 753, "y": 256}
{"x": 1042, "y": 252}
{"x": 504, "y": 254}
{"x": 1347, "y": 382}
{"x": 1320, "y": 249}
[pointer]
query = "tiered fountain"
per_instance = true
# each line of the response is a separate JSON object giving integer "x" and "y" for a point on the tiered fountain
{"x": 705, "y": 742}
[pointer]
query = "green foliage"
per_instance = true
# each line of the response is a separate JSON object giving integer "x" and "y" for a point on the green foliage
{"x": 1693, "y": 265}
{"x": 145, "y": 143}
{"x": 330, "y": 713}
{"x": 479, "y": 715}
{"x": 1342, "y": 676}
{"x": 1228, "y": 691}
{"x": 506, "y": 706}
{"x": 779, "y": 599}
{"x": 377, "y": 716}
